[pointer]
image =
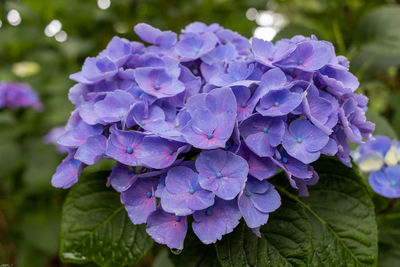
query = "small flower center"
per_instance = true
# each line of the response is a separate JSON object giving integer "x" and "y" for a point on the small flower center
{"x": 141, "y": 96}
{"x": 265, "y": 130}
{"x": 103, "y": 153}
{"x": 210, "y": 135}
{"x": 177, "y": 125}
{"x": 129, "y": 150}
{"x": 131, "y": 174}
{"x": 191, "y": 191}
{"x": 300, "y": 62}
{"x": 142, "y": 123}
{"x": 299, "y": 140}
{"x": 219, "y": 175}
{"x": 148, "y": 194}
{"x": 177, "y": 218}
{"x": 244, "y": 104}
{"x": 276, "y": 103}
{"x": 248, "y": 193}
{"x": 157, "y": 87}
{"x": 284, "y": 160}
{"x": 120, "y": 116}
{"x": 270, "y": 58}
{"x": 170, "y": 152}
{"x": 208, "y": 212}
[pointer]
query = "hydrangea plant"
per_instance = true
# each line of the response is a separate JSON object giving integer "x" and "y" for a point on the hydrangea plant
{"x": 198, "y": 123}
{"x": 380, "y": 158}
{"x": 18, "y": 95}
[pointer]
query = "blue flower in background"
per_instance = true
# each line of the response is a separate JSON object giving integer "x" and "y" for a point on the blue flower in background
{"x": 380, "y": 157}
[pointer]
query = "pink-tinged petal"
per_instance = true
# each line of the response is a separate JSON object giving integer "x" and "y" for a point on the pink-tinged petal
{"x": 121, "y": 177}
{"x": 166, "y": 228}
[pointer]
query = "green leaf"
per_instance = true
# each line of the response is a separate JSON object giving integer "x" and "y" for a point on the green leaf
{"x": 334, "y": 226}
{"x": 195, "y": 253}
{"x": 388, "y": 218}
{"x": 95, "y": 226}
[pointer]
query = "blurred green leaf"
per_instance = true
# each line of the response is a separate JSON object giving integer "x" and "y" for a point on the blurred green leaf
{"x": 382, "y": 127}
{"x": 95, "y": 226}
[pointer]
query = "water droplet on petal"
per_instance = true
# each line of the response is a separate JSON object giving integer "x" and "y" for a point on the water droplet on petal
{"x": 175, "y": 251}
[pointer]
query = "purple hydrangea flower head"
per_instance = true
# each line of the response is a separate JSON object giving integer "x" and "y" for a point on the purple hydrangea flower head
{"x": 222, "y": 172}
{"x": 18, "y": 95}
{"x": 214, "y": 222}
{"x": 257, "y": 200}
{"x": 198, "y": 121}
{"x": 183, "y": 194}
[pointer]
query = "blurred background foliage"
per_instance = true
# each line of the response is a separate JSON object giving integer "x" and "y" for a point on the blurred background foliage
{"x": 36, "y": 50}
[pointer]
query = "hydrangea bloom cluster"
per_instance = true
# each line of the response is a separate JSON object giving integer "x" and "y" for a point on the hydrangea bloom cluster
{"x": 17, "y": 95}
{"x": 380, "y": 157}
{"x": 197, "y": 123}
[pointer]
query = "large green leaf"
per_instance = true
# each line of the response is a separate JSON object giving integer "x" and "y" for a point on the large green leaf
{"x": 334, "y": 226}
{"x": 95, "y": 226}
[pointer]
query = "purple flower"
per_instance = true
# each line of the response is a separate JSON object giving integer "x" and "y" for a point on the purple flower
{"x": 114, "y": 107}
{"x": 93, "y": 150}
{"x": 77, "y": 131}
{"x": 159, "y": 153}
{"x": 15, "y": 95}
{"x": 167, "y": 228}
{"x": 158, "y": 82}
{"x": 68, "y": 172}
{"x": 303, "y": 141}
{"x": 95, "y": 70}
{"x": 192, "y": 46}
{"x": 212, "y": 118}
{"x": 222, "y": 172}
{"x": 256, "y": 201}
{"x": 386, "y": 182}
{"x": 279, "y": 102}
{"x": 308, "y": 56}
{"x": 121, "y": 177}
{"x": 262, "y": 134}
{"x": 139, "y": 199}
{"x": 183, "y": 194}
{"x": 266, "y": 53}
{"x": 214, "y": 222}
{"x": 154, "y": 36}
{"x": 118, "y": 50}
{"x": 125, "y": 146}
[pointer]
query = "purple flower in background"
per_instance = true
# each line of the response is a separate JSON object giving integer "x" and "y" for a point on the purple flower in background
{"x": 386, "y": 182}
{"x": 214, "y": 222}
{"x": 183, "y": 194}
{"x": 256, "y": 201}
{"x": 18, "y": 95}
{"x": 380, "y": 157}
{"x": 198, "y": 121}
{"x": 167, "y": 228}
{"x": 222, "y": 172}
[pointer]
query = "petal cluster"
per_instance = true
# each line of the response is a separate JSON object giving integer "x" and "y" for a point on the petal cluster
{"x": 18, "y": 95}
{"x": 198, "y": 122}
{"x": 380, "y": 157}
